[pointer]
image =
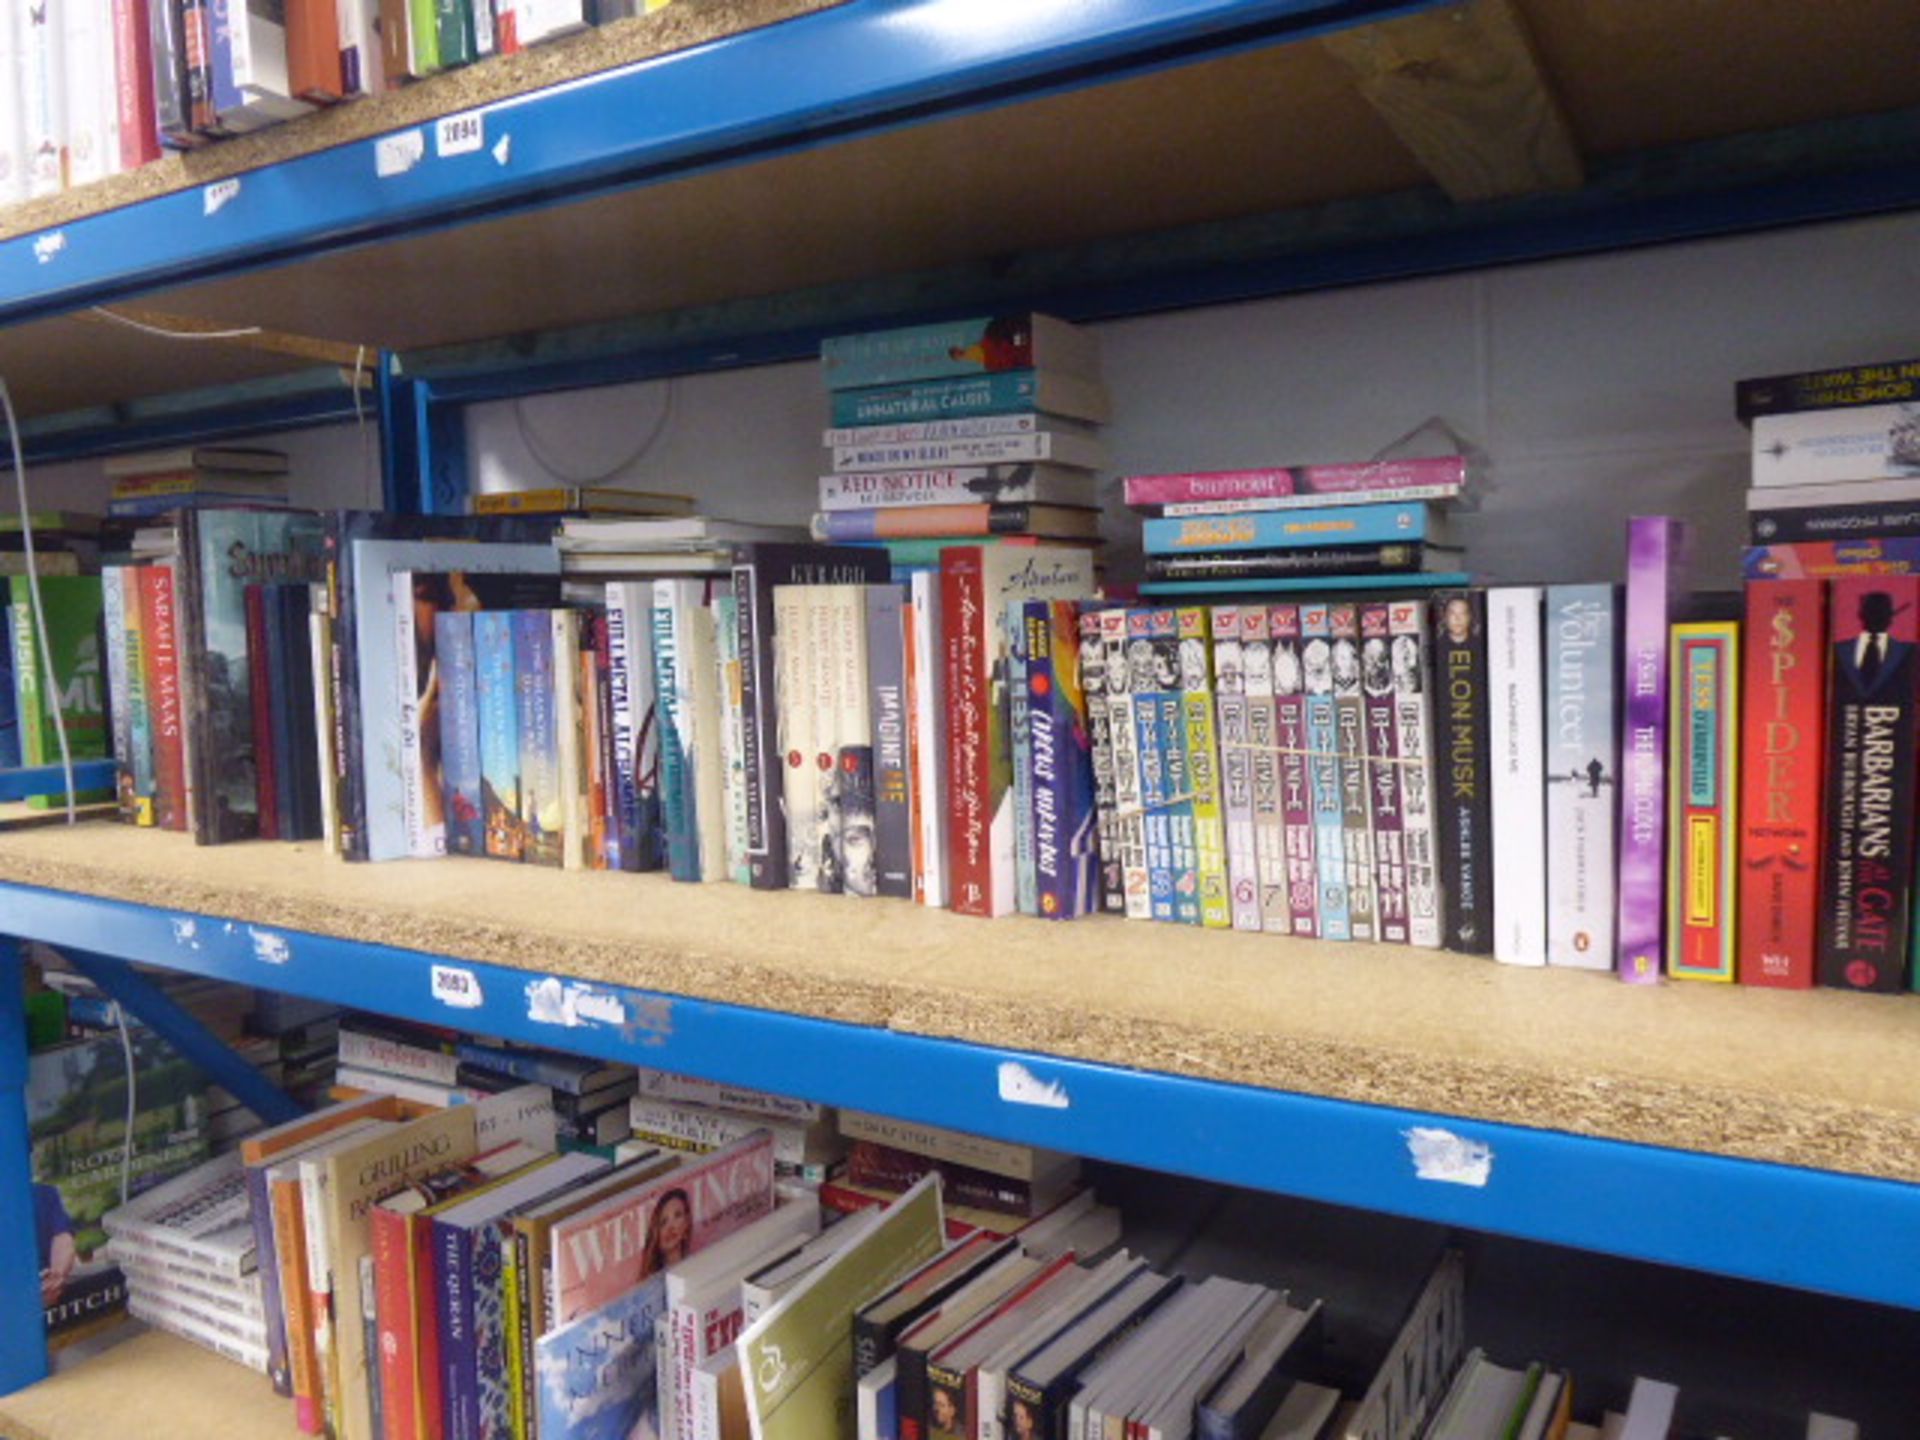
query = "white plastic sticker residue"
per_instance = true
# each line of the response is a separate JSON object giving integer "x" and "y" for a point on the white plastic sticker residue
{"x": 216, "y": 195}
{"x": 270, "y": 948}
{"x": 49, "y": 245}
{"x": 1447, "y": 1157}
{"x": 551, "y": 1001}
{"x": 397, "y": 154}
{"x": 503, "y": 150}
{"x": 186, "y": 931}
{"x": 457, "y": 987}
{"x": 459, "y": 134}
{"x": 1020, "y": 1086}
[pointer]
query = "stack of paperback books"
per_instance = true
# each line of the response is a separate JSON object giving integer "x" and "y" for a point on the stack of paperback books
{"x": 1827, "y": 838}
{"x": 187, "y": 1249}
{"x": 1305, "y": 523}
{"x": 155, "y": 482}
{"x": 679, "y": 1112}
{"x": 970, "y": 431}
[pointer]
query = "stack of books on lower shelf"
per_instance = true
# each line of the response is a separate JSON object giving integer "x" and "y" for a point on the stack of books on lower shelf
{"x": 399, "y": 1270}
{"x": 1237, "y": 530}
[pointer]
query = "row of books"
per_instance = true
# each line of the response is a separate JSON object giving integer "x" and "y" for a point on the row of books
{"x": 509, "y": 1288}
{"x": 96, "y": 87}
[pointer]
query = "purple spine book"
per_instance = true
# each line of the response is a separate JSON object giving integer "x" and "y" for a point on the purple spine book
{"x": 1657, "y": 548}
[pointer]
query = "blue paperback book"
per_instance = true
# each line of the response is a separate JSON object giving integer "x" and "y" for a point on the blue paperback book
{"x": 540, "y": 808}
{"x": 595, "y": 1376}
{"x": 1318, "y": 528}
{"x": 459, "y": 733}
{"x": 499, "y": 733}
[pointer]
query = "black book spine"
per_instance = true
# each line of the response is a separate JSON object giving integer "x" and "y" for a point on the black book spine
{"x": 912, "y": 1399}
{"x": 1464, "y": 767}
{"x": 1834, "y": 522}
{"x": 1867, "y": 880}
{"x": 1392, "y": 559}
{"x": 349, "y": 796}
{"x": 1886, "y": 384}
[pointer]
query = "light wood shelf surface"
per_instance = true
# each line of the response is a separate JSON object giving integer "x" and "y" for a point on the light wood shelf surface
{"x": 1820, "y": 1079}
{"x": 154, "y": 1387}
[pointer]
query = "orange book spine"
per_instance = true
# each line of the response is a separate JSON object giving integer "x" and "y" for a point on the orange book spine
{"x": 313, "y": 50}
{"x": 290, "y": 1245}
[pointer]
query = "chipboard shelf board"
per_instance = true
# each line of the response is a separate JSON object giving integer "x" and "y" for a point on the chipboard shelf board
{"x": 842, "y": 1045}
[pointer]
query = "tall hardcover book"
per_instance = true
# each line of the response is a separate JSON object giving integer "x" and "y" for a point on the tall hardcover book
{"x": 137, "y": 120}
{"x": 976, "y": 584}
{"x": 1464, "y": 761}
{"x": 1413, "y": 733}
{"x": 1323, "y": 772}
{"x": 1867, "y": 894}
{"x": 1066, "y": 853}
{"x": 1383, "y": 775}
{"x": 1236, "y": 769}
{"x": 1657, "y": 547}
{"x": 1093, "y": 688}
{"x": 1351, "y": 747}
{"x": 1129, "y": 822}
{"x": 221, "y": 552}
{"x": 1783, "y": 719}
{"x": 757, "y": 569}
{"x": 1583, "y": 769}
{"x": 1519, "y": 775}
{"x": 1203, "y": 766}
{"x": 1702, "y": 821}
{"x": 893, "y": 818}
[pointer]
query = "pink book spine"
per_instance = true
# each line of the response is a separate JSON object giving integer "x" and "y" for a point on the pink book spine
{"x": 1352, "y": 479}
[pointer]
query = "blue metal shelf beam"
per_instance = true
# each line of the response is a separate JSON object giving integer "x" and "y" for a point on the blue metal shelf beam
{"x": 1846, "y": 1235}
{"x": 857, "y": 67}
{"x": 24, "y": 783}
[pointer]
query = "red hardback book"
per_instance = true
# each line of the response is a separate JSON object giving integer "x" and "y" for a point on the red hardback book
{"x": 158, "y": 621}
{"x": 1784, "y": 716}
{"x": 969, "y": 709}
{"x": 423, "y": 1314}
{"x": 266, "y": 778}
{"x": 133, "y": 74}
{"x": 313, "y": 50}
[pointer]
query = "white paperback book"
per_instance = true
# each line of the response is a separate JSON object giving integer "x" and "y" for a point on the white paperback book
{"x": 1583, "y": 743}
{"x": 1519, "y": 775}
{"x": 13, "y": 115}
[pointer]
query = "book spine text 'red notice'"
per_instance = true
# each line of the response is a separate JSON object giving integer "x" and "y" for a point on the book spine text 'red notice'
{"x": 1702, "y": 824}
{"x": 1783, "y": 720}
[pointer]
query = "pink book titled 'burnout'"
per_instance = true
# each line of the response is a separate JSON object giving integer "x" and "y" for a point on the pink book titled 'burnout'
{"x": 1355, "y": 479}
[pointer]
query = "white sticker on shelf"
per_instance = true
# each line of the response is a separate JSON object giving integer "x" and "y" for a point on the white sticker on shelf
{"x": 458, "y": 987}
{"x": 186, "y": 931}
{"x": 552, "y": 1001}
{"x": 269, "y": 948}
{"x": 503, "y": 149}
{"x": 49, "y": 245}
{"x": 397, "y": 154}
{"x": 1449, "y": 1158}
{"x": 216, "y": 195}
{"x": 1020, "y": 1086}
{"x": 460, "y": 134}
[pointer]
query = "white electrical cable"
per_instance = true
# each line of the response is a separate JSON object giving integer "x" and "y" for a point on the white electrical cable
{"x": 133, "y": 1101}
{"x": 165, "y": 334}
{"x": 537, "y": 448}
{"x": 33, "y": 591}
